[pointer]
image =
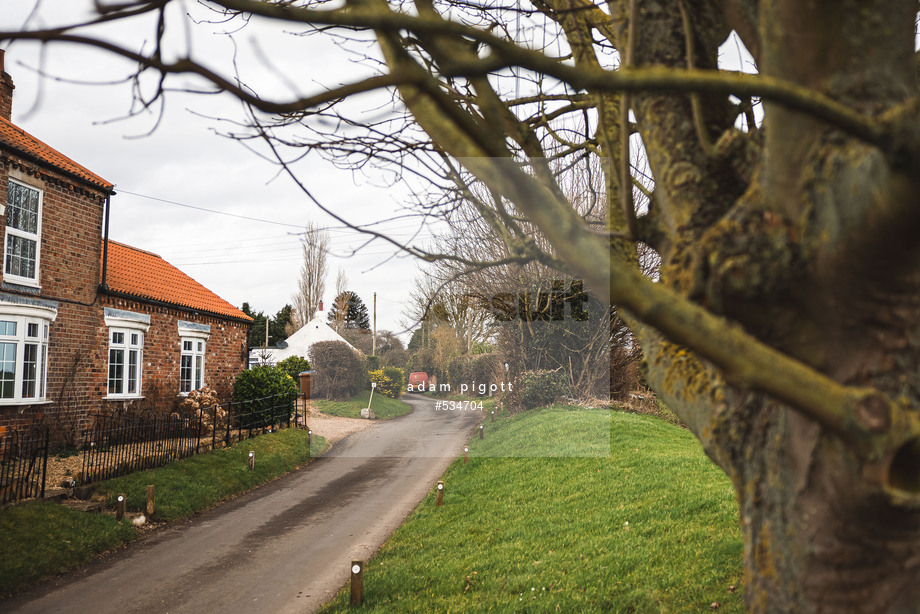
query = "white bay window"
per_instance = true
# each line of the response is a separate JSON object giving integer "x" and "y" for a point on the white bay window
{"x": 24, "y": 333}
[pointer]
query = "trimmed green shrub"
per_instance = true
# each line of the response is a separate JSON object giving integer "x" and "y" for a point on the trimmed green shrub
{"x": 541, "y": 388}
{"x": 339, "y": 372}
{"x": 398, "y": 375}
{"x": 372, "y": 363}
{"x": 251, "y": 390}
{"x": 294, "y": 366}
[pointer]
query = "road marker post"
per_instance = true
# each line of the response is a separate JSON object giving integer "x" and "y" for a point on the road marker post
{"x": 369, "y": 413}
{"x": 466, "y": 455}
{"x": 440, "y": 494}
{"x": 151, "y": 500}
{"x": 357, "y": 582}
{"x": 480, "y": 431}
{"x": 120, "y": 507}
{"x": 252, "y": 460}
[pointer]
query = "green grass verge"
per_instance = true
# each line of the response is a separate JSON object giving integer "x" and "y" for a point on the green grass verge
{"x": 551, "y": 535}
{"x": 202, "y": 481}
{"x": 38, "y": 540}
{"x": 42, "y": 539}
{"x": 384, "y": 407}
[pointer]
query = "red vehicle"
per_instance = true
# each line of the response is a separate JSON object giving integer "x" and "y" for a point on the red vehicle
{"x": 419, "y": 381}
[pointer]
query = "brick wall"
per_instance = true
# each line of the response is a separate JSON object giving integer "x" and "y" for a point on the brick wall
{"x": 69, "y": 269}
{"x": 78, "y": 363}
{"x": 224, "y": 358}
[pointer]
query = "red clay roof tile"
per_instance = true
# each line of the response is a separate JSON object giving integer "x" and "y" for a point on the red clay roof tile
{"x": 147, "y": 276}
{"x": 18, "y": 139}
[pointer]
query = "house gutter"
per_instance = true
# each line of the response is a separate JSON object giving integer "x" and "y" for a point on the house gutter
{"x": 159, "y": 303}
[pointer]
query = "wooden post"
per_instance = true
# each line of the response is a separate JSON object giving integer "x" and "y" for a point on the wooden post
{"x": 120, "y": 507}
{"x": 480, "y": 431}
{"x": 493, "y": 415}
{"x": 151, "y": 500}
{"x": 440, "y": 494}
{"x": 357, "y": 582}
{"x": 310, "y": 439}
{"x": 252, "y": 460}
{"x": 466, "y": 455}
{"x": 371, "y": 398}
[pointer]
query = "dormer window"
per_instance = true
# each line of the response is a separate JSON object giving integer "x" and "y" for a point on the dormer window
{"x": 23, "y": 233}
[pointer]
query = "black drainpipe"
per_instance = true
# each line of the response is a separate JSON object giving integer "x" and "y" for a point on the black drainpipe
{"x": 105, "y": 243}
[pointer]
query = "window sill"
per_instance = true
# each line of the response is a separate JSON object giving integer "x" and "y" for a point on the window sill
{"x": 122, "y": 398}
{"x": 23, "y": 402}
{"x": 184, "y": 395}
{"x": 21, "y": 286}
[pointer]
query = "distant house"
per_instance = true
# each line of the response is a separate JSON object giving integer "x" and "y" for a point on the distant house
{"x": 299, "y": 343}
{"x": 87, "y": 324}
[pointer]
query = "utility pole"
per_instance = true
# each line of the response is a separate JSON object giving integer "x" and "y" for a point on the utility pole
{"x": 374, "y": 342}
{"x": 469, "y": 331}
{"x": 266, "y": 334}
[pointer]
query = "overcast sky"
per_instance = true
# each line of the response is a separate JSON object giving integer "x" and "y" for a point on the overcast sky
{"x": 185, "y": 162}
{"x": 163, "y": 166}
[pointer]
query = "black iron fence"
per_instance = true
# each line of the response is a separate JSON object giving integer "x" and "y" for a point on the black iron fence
{"x": 118, "y": 445}
{"x": 23, "y": 464}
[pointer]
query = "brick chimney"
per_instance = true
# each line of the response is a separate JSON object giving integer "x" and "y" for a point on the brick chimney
{"x": 6, "y": 92}
{"x": 321, "y": 306}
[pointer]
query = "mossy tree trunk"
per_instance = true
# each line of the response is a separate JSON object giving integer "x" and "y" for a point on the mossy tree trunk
{"x": 786, "y": 335}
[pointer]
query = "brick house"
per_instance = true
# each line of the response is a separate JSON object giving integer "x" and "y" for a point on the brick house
{"x": 87, "y": 324}
{"x": 191, "y": 337}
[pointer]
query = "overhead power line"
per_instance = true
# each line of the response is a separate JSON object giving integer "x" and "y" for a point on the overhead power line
{"x": 242, "y": 217}
{"x": 274, "y": 222}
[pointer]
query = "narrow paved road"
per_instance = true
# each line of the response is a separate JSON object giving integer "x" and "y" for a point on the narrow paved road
{"x": 285, "y": 547}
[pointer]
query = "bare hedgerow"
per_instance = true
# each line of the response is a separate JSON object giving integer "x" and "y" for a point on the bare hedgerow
{"x": 339, "y": 371}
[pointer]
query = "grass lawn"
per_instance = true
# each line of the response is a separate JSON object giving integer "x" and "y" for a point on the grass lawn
{"x": 44, "y": 539}
{"x": 650, "y": 525}
{"x": 202, "y": 481}
{"x": 384, "y": 407}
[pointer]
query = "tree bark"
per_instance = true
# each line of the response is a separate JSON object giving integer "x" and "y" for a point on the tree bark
{"x": 821, "y": 533}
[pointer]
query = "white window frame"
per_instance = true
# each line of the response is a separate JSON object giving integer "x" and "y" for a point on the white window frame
{"x": 36, "y": 237}
{"x": 29, "y": 328}
{"x": 193, "y": 346}
{"x": 126, "y": 332}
